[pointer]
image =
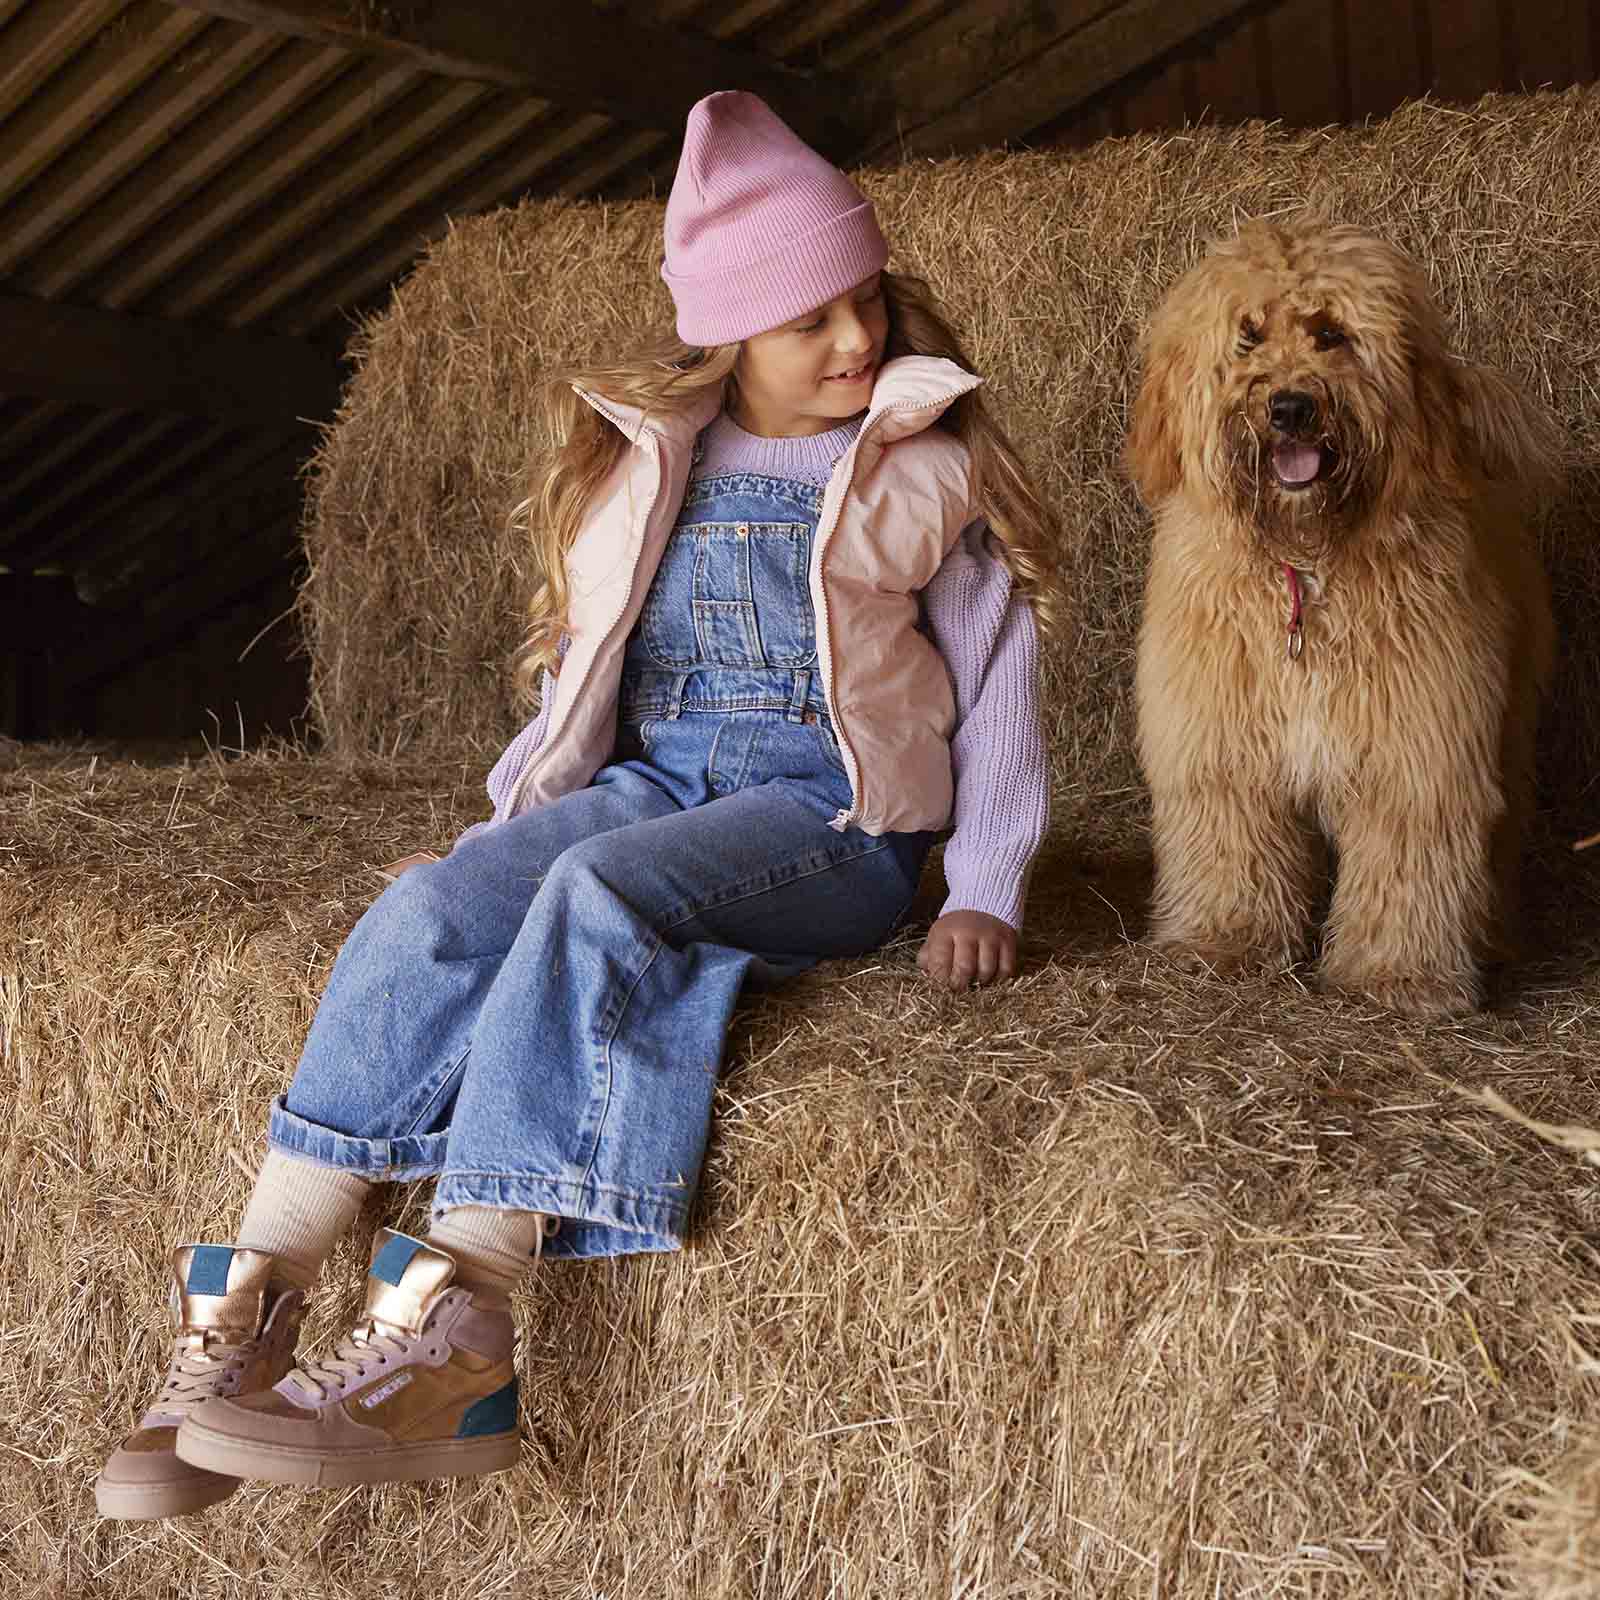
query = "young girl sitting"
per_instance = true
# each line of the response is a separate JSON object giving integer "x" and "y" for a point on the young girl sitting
{"x": 786, "y": 635}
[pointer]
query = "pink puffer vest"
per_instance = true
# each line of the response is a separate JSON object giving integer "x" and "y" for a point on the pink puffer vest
{"x": 897, "y": 502}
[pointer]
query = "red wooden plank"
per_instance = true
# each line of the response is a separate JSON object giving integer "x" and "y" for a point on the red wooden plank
{"x": 1225, "y": 78}
{"x": 1549, "y": 41}
{"x": 1385, "y": 66}
{"x": 1466, "y": 47}
{"x": 1305, "y": 63}
{"x": 1084, "y": 127}
{"x": 1156, "y": 101}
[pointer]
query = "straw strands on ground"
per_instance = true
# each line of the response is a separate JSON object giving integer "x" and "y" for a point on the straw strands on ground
{"x": 1114, "y": 1282}
{"x": 1051, "y": 262}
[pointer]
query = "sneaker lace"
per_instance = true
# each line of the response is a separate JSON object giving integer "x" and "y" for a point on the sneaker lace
{"x": 367, "y": 1344}
{"x": 197, "y": 1370}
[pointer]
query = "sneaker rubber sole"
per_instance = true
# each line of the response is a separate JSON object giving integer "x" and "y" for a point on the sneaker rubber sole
{"x": 150, "y": 1502}
{"x": 217, "y": 1452}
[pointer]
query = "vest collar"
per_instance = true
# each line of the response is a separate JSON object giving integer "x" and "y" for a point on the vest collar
{"x": 912, "y": 393}
{"x": 679, "y": 426}
{"x": 909, "y": 394}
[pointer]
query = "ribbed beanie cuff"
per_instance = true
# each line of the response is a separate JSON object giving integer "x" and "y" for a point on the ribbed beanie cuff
{"x": 759, "y": 227}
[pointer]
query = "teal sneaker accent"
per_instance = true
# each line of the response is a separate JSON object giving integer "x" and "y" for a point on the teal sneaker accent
{"x": 495, "y": 1413}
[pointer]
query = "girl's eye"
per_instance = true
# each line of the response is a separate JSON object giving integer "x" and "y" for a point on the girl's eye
{"x": 810, "y": 327}
{"x": 1328, "y": 338}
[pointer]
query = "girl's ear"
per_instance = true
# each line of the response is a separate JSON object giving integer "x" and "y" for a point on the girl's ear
{"x": 1152, "y": 454}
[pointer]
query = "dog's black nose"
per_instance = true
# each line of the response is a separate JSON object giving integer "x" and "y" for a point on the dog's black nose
{"x": 1292, "y": 410}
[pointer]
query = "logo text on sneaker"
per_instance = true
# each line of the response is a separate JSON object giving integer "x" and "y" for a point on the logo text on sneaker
{"x": 384, "y": 1390}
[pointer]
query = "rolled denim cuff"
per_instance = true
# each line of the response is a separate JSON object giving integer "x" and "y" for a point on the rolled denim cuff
{"x": 595, "y": 1221}
{"x": 403, "y": 1160}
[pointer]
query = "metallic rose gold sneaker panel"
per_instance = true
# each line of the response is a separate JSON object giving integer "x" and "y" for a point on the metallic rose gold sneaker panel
{"x": 405, "y": 1278}
{"x": 221, "y": 1289}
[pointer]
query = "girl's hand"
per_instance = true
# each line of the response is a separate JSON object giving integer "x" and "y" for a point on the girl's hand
{"x": 966, "y": 948}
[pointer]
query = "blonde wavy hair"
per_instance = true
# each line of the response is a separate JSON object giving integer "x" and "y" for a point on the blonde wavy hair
{"x": 667, "y": 374}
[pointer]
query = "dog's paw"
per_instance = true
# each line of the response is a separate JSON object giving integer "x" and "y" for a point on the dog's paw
{"x": 1223, "y": 958}
{"x": 1422, "y": 995}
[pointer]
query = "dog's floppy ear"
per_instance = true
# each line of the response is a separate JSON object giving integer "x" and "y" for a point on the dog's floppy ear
{"x": 1506, "y": 434}
{"x": 1152, "y": 453}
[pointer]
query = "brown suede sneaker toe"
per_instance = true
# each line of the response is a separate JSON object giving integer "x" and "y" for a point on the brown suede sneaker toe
{"x": 236, "y": 1336}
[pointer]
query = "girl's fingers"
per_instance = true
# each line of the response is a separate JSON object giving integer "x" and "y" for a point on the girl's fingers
{"x": 967, "y": 961}
{"x": 988, "y": 960}
{"x": 964, "y": 964}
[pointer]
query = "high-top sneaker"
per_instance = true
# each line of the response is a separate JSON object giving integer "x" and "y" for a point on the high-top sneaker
{"x": 236, "y": 1335}
{"x": 422, "y": 1387}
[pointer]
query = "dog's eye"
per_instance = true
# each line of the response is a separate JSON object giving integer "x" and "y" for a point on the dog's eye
{"x": 1249, "y": 336}
{"x": 1328, "y": 338}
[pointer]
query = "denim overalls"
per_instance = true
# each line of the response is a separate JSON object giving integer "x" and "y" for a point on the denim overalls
{"x": 538, "y": 1019}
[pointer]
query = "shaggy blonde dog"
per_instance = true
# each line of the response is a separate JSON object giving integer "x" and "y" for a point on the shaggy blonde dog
{"x": 1346, "y": 625}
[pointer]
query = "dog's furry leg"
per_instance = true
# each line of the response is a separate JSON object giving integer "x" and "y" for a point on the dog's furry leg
{"x": 1415, "y": 904}
{"x": 1236, "y": 876}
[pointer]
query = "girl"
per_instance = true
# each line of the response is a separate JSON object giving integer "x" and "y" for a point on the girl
{"x": 786, "y": 634}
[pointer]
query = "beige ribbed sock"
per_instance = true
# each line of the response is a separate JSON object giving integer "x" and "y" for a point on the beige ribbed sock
{"x": 493, "y": 1250}
{"x": 298, "y": 1211}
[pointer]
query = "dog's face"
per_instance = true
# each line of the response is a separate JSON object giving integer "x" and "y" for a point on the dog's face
{"x": 1299, "y": 418}
{"x": 1298, "y": 376}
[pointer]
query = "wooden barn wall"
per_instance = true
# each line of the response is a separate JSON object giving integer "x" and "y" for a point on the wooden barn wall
{"x": 233, "y": 679}
{"x": 1312, "y": 62}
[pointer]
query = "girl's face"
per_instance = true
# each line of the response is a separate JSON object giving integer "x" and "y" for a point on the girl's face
{"x": 810, "y": 374}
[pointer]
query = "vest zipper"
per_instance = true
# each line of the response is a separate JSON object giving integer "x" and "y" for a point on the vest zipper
{"x": 519, "y": 787}
{"x": 852, "y": 768}
{"x": 841, "y": 819}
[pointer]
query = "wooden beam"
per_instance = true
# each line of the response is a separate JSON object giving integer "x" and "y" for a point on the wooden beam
{"x": 578, "y": 57}
{"x": 272, "y": 553}
{"x": 107, "y": 358}
{"x": 185, "y": 531}
{"x": 998, "y": 78}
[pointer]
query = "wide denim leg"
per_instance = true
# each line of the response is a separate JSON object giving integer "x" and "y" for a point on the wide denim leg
{"x": 539, "y": 1018}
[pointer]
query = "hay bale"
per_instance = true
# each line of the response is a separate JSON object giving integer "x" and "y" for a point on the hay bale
{"x": 1114, "y": 1282}
{"x": 1051, "y": 261}
{"x": 1559, "y": 1558}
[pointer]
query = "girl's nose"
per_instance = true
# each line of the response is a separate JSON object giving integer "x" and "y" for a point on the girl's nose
{"x": 852, "y": 336}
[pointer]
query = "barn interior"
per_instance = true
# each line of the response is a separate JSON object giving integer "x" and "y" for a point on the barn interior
{"x": 1119, "y": 1280}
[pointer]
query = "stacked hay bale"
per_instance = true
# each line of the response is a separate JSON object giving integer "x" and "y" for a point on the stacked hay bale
{"x": 1113, "y": 1282}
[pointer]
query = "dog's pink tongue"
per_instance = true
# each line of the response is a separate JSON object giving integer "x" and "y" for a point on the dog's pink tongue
{"x": 1296, "y": 463}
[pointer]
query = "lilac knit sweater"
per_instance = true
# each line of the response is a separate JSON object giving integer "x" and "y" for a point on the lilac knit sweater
{"x": 987, "y": 637}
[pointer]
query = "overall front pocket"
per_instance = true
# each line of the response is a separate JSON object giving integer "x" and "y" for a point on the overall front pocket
{"x": 732, "y": 594}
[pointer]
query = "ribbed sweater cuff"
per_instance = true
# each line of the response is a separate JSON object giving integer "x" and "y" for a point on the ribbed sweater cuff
{"x": 995, "y": 885}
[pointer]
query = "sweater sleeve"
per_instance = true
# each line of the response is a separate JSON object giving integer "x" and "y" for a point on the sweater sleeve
{"x": 515, "y": 757}
{"x": 986, "y": 634}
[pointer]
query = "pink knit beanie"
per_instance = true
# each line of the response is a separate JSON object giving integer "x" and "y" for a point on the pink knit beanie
{"x": 759, "y": 227}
